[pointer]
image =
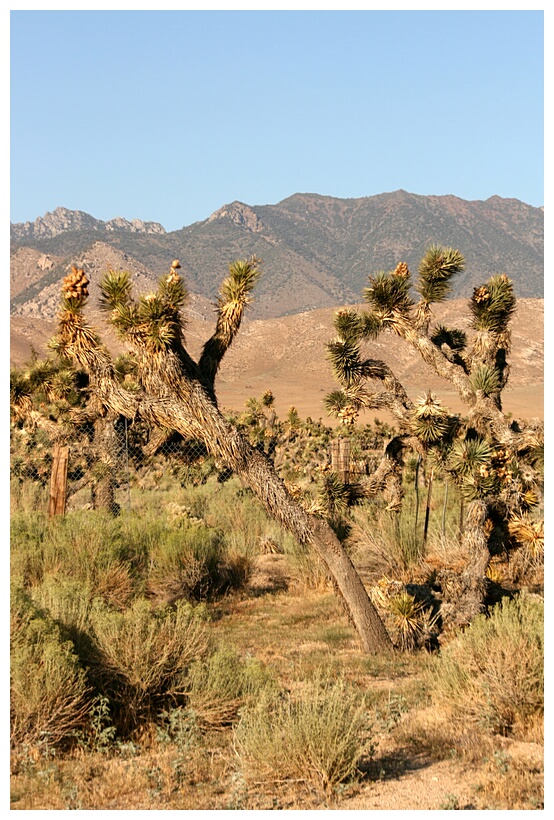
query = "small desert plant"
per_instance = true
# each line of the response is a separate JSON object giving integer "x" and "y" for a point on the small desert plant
{"x": 407, "y": 616}
{"x": 318, "y": 737}
{"x": 66, "y": 600}
{"x": 386, "y": 541}
{"x": 190, "y": 563}
{"x": 492, "y": 673}
{"x": 50, "y": 699}
{"x": 85, "y": 546}
{"x": 219, "y": 684}
{"x": 142, "y": 656}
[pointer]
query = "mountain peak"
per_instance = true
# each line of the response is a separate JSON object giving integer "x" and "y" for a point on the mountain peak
{"x": 239, "y": 213}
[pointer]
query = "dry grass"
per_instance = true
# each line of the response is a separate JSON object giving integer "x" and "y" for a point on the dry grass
{"x": 502, "y": 773}
{"x": 264, "y": 647}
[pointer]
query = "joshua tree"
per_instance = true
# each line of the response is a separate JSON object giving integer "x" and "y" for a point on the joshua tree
{"x": 52, "y": 395}
{"x": 491, "y": 458}
{"x": 176, "y": 392}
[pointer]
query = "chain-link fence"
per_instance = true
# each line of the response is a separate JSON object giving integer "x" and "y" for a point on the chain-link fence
{"x": 110, "y": 466}
{"x": 118, "y": 465}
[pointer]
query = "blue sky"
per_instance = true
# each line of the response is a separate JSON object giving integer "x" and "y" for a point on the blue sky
{"x": 168, "y": 115}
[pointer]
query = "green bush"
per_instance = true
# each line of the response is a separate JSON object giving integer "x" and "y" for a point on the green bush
{"x": 88, "y": 547}
{"x": 142, "y": 656}
{"x": 49, "y": 696}
{"x": 318, "y": 737}
{"x": 66, "y": 600}
{"x": 188, "y": 563}
{"x": 492, "y": 674}
{"x": 219, "y": 684}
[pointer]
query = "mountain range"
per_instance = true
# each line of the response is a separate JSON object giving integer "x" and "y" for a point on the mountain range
{"x": 317, "y": 251}
{"x": 317, "y": 255}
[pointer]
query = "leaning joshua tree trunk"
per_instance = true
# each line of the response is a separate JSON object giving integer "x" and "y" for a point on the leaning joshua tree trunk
{"x": 179, "y": 393}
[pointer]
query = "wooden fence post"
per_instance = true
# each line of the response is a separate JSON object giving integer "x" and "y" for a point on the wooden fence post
{"x": 58, "y": 480}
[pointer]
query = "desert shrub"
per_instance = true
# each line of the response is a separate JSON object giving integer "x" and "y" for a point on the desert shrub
{"x": 66, "y": 600}
{"x": 86, "y": 546}
{"x": 27, "y": 533}
{"x": 310, "y": 568}
{"x": 492, "y": 674}
{"x": 237, "y": 513}
{"x": 318, "y": 737}
{"x": 219, "y": 684}
{"x": 189, "y": 563}
{"x": 385, "y": 541}
{"x": 142, "y": 656}
{"x": 50, "y": 699}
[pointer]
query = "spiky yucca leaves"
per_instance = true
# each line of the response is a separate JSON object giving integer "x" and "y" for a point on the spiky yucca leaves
{"x": 155, "y": 318}
{"x": 348, "y": 367}
{"x": 344, "y": 356}
{"x": 349, "y": 324}
{"x": 292, "y": 421}
{"x": 75, "y": 336}
{"x": 238, "y": 286}
{"x": 407, "y": 618}
{"x": 20, "y": 394}
{"x": 485, "y": 379}
{"x": 455, "y": 339}
{"x": 235, "y": 294}
{"x": 389, "y": 294}
{"x": 115, "y": 289}
{"x": 334, "y": 402}
{"x": 470, "y": 465}
{"x": 528, "y": 534}
{"x": 41, "y": 376}
{"x": 493, "y": 304}
{"x": 344, "y": 352}
{"x": 431, "y": 421}
{"x": 436, "y": 270}
{"x": 234, "y": 297}
{"x": 470, "y": 454}
{"x": 334, "y": 496}
{"x": 50, "y": 386}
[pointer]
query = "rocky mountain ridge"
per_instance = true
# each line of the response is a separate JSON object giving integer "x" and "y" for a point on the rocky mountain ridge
{"x": 317, "y": 251}
{"x": 62, "y": 220}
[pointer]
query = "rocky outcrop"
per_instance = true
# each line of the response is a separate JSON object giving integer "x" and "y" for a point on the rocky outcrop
{"x": 134, "y": 226}
{"x": 62, "y": 220}
{"x": 45, "y": 262}
{"x": 241, "y": 215}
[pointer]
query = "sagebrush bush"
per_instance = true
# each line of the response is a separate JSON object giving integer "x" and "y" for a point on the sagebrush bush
{"x": 66, "y": 600}
{"x": 220, "y": 683}
{"x": 191, "y": 563}
{"x": 49, "y": 695}
{"x": 386, "y": 541}
{"x": 85, "y": 546}
{"x": 142, "y": 655}
{"x": 318, "y": 737}
{"x": 492, "y": 673}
